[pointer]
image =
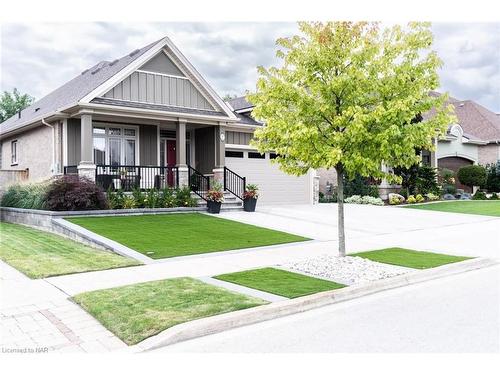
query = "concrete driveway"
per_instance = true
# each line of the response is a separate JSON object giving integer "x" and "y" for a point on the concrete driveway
{"x": 370, "y": 227}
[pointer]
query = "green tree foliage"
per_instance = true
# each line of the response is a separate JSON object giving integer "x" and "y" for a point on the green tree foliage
{"x": 11, "y": 103}
{"x": 346, "y": 96}
{"x": 472, "y": 175}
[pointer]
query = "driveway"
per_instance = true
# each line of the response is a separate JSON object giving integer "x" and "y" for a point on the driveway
{"x": 367, "y": 227}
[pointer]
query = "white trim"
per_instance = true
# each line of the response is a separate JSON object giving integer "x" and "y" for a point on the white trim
{"x": 457, "y": 155}
{"x": 161, "y": 74}
{"x": 149, "y": 103}
{"x": 240, "y": 147}
{"x": 65, "y": 141}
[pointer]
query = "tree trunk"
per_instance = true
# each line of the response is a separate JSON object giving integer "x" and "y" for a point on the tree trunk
{"x": 340, "y": 204}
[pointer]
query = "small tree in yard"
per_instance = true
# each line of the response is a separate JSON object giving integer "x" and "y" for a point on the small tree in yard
{"x": 11, "y": 103}
{"x": 472, "y": 175}
{"x": 346, "y": 97}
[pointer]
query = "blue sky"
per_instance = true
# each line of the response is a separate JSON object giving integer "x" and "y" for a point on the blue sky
{"x": 37, "y": 58}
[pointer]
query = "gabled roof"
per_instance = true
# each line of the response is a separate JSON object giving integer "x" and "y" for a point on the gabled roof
{"x": 476, "y": 121}
{"x": 95, "y": 81}
{"x": 240, "y": 103}
{"x": 71, "y": 92}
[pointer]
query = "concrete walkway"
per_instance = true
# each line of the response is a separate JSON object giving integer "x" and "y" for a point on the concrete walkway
{"x": 37, "y": 316}
{"x": 368, "y": 227}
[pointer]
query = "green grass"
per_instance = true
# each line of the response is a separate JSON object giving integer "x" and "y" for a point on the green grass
{"x": 409, "y": 258}
{"x": 138, "y": 311}
{"x": 279, "y": 282}
{"x": 171, "y": 235}
{"x": 489, "y": 208}
{"x": 40, "y": 254}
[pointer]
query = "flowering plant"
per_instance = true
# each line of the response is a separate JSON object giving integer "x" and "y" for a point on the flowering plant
{"x": 251, "y": 191}
{"x": 215, "y": 194}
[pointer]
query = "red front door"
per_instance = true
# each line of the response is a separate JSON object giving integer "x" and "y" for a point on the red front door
{"x": 171, "y": 161}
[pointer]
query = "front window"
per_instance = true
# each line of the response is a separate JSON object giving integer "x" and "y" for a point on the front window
{"x": 115, "y": 145}
{"x": 13, "y": 152}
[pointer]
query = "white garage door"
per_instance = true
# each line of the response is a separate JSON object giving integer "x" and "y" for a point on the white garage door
{"x": 275, "y": 186}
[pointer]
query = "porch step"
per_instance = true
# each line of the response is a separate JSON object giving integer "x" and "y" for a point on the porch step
{"x": 231, "y": 202}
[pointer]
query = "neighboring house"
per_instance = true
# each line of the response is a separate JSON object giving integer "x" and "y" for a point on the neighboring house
{"x": 148, "y": 119}
{"x": 474, "y": 139}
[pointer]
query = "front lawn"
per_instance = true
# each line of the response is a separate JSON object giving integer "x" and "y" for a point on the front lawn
{"x": 489, "y": 208}
{"x": 279, "y": 282}
{"x": 171, "y": 235}
{"x": 40, "y": 254}
{"x": 409, "y": 258}
{"x": 138, "y": 311}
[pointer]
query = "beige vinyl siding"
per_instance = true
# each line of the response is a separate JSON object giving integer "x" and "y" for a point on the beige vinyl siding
{"x": 159, "y": 89}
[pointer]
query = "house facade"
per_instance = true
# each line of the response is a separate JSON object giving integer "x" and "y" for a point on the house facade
{"x": 147, "y": 120}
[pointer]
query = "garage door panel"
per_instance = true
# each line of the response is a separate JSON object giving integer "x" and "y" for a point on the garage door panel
{"x": 276, "y": 187}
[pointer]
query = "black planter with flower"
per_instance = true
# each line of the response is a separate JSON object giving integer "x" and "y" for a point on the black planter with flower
{"x": 215, "y": 197}
{"x": 250, "y": 197}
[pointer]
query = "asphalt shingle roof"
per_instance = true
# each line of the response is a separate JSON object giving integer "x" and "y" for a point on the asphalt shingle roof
{"x": 240, "y": 103}
{"x": 74, "y": 90}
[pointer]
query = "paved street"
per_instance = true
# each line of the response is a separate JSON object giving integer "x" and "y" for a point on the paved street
{"x": 454, "y": 314}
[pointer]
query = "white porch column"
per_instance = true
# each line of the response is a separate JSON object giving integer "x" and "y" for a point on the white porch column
{"x": 180, "y": 151}
{"x": 86, "y": 167}
{"x": 220, "y": 152}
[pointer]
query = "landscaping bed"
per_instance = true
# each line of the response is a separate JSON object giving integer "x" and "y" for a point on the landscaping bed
{"x": 476, "y": 207}
{"x": 40, "y": 254}
{"x": 280, "y": 282}
{"x": 164, "y": 236}
{"x": 136, "y": 312}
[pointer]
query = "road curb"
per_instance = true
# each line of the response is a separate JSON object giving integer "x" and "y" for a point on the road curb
{"x": 224, "y": 322}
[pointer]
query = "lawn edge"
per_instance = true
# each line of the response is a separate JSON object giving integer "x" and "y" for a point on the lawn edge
{"x": 219, "y": 323}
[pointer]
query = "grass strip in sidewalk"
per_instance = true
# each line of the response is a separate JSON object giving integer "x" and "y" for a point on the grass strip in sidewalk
{"x": 409, "y": 258}
{"x": 136, "y": 312}
{"x": 280, "y": 282}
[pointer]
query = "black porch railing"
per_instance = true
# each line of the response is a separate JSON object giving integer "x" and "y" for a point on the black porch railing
{"x": 130, "y": 177}
{"x": 198, "y": 183}
{"x": 234, "y": 183}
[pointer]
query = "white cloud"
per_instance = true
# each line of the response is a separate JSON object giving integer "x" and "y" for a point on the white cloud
{"x": 37, "y": 58}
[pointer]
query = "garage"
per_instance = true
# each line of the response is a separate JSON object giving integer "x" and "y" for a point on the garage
{"x": 454, "y": 163}
{"x": 276, "y": 187}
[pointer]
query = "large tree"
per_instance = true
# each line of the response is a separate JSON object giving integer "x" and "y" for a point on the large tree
{"x": 346, "y": 96}
{"x": 11, "y": 103}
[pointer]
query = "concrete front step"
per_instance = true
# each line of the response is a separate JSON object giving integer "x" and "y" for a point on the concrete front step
{"x": 231, "y": 202}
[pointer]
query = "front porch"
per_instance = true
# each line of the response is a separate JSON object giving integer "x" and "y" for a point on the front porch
{"x": 130, "y": 154}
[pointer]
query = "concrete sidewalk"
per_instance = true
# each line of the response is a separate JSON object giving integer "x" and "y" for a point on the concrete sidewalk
{"x": 37, "y": 316}
{"x": 470, "y": 235}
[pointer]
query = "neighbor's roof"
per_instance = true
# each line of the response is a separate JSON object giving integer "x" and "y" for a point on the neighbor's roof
{"x": 74, "y": 90}
{"x": 240, "y": 103}
{"x": 476, "y": 121}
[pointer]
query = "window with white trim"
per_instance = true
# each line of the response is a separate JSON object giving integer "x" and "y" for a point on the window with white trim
{"x": 115, "y": 144}
{"x": 13, "y": 152}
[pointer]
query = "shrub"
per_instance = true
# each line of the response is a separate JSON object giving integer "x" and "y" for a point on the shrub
{"x": 447, "y": 176}
{"x": 129, "y": 202}
{"x": 426, "y": 180}
{"x": 419, "y": 198}
{"x": 411, "y": 199}
{"x": 184, "y": 198}
{"x": 367, "y": 199}
{"x": 152, "y": 199}
{"x": 359, "y": 185}
{"x": 327, "y": 199}
{"x": 353, "y": 199}
{"x": 480, "y": 195}
{"x": 168, "y": 198}
{"x": 31, "y": 196}
{"x": 432, "y": 197}
{"x": 139, "y": 197}
{"x": 472, "y": 175}
{"x": 493, "y": 177}
{"x": 395, "y": 199}
{"x": 115, "y": 198}
{"x": 494, "y": 197}
{"x": 69, "y": 193}
{"x": 449, "y": 189}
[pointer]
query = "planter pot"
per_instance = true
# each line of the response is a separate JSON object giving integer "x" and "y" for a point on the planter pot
{"x": 249, "y": 204}
{"x": 213, "y": 207}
